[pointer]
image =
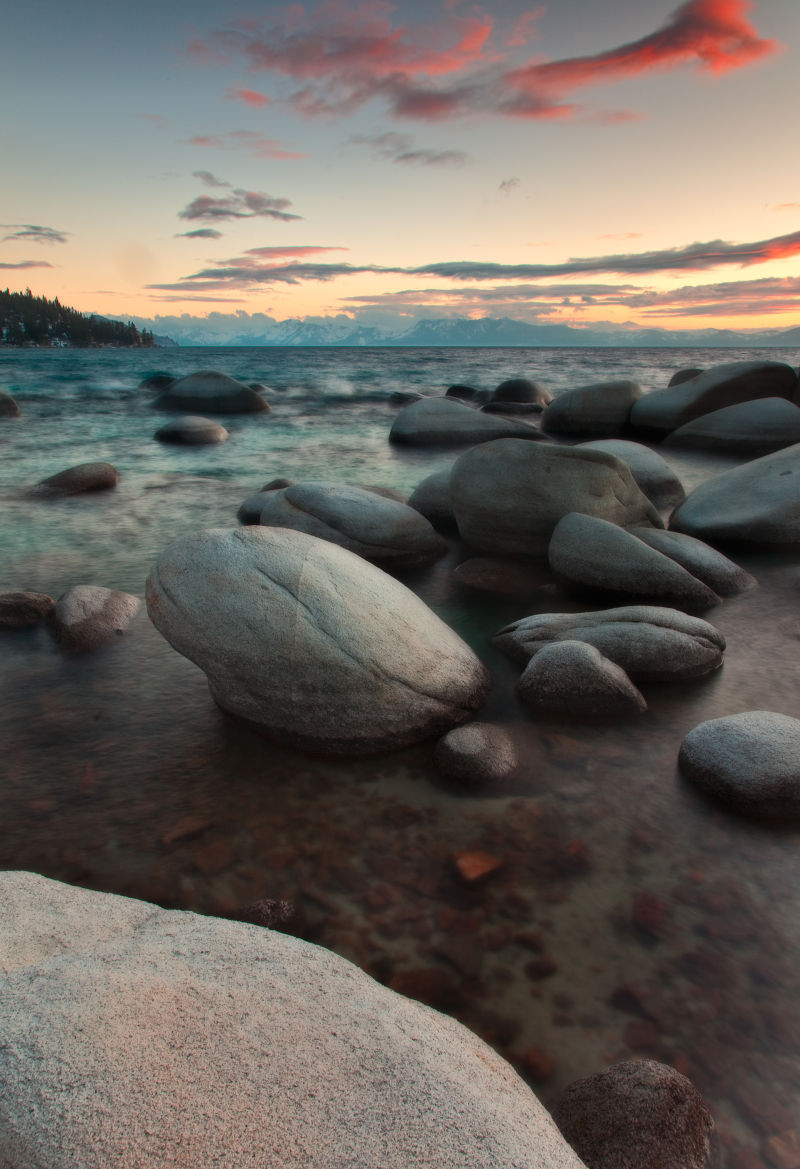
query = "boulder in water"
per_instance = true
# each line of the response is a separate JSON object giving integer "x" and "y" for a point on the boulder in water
{"x": 210, "y": 392}
{"x": 448, "y": 422}
{"x": 23, "y": 610}
{"x": 573, "y": 681}
{"x": 192, "y": 430}
{"x": 748, "y": 428}
{"x": 602, "y": 408}
{"x": 476, "y": 754}
{"x": 651, "y": 472}
{"x": 518, "y": 390}
{"x": 79, "y": 480}
{"x": 88, "y": 616}
{"x": 9, "y": 408}
{"x": 431, "y": 498}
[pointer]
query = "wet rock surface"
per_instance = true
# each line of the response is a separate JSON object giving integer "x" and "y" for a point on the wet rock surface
{"x": 571, "y": 680}
{"x": 84, "y": 478}
{"x": 87, "y": 616}
{"x": 450, "y": 422}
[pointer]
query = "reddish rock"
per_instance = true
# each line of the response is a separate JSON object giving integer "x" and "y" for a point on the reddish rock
{"x": 641, "y": 1035}
{"x": 22, "y": 610}
{"x": 578, "y": 858}
{"x": 783, "y": 1150}
{"x": 473, "y": 866}
{"x": 185, "y": 828}
{"x": 79, "y": 480}
{"x": 537, "y": 1064}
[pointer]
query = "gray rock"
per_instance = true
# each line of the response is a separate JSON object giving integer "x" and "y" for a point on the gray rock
{"x": 431, "y": 498}
{"x": 758, "y": 502}
{"x": 404, "y": 397}
{"x": 596, "y": 554}
{"x": 448, "y": 422}
{"x": 477, "y": 754}
{"x": 652, "y": 473}
{"x": 192, "y": 430}
{"x": 521, "y": 390}
{"x": 749, "y": 428}
{"x": 636, "y": 1114}
{"x": 715, "y": 570}
{"x": 78, "y": 480}
{"x": 22, "y": 610}
{"x": 502, "y": 576}
{"x": 137, "y": 1037}
{"x": 382, "y": 530}
{"x": 602, "y": 408}
{"x": 751, "y": 761}
{"x": 9, "y": 408}
{"x": 310, "y": 643}
{"x": 462, "y": 393}
{"x": 211, "y": 392}
{"x": 684, "y": 375}
{"x": 650, "y": 643}
{"x": 571, "y": 680}
{"x": 512, "y": 409}
{"x": 157, "y": 382}
{"x": 87, "y": 616}
{"x": 722, "y": 385}
{"x": 509, "y": 495}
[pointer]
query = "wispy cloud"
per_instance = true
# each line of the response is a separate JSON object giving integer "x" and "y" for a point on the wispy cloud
{"x": 400, "y": 148}
{"x": 30, "y": 233}
{"x": 28, "y": 264}
{"x": 200, "y": 233}
{"x": 209, "y": 180}
{"x": 259, "y": 145}
{"x": 343, "y": 57}
{"x": 240, "y": 204}
{"x": 250, "y": 97}
{"x": 508, "y": 185}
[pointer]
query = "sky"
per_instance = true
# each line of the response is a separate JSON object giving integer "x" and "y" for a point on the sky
{"x": 627, "y": 162}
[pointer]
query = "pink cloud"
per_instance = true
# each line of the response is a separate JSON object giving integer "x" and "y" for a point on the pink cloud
{"x": 259, "y": 145}
{"x": 250, "y": 97}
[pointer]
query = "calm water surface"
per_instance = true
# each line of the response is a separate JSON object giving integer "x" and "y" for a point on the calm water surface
{"x": 629, "y": 916}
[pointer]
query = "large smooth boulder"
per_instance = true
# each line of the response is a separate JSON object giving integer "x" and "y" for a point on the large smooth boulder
{"x": 749, "y": 428}
{"x": 311, "y": 643}
{"x": 210, "y": 392}
{"x": 571, "y": 680}
{"x": 79, "y": 480}
{"x": 134, "y": 1036}
{"x": 750, "y": 761}
{"x": 595, "y": 554}
{"x": 601, "y": 408}
{"x": 652, "y": 473}
{"x": 88, "y": 616}
{"x": 382, "y": 530}
{"x": 650, "y": 643}
{"x": 722, "y": 575}
{"x": 638, "y": 1114}
{"x": 758, "y": 502}
{"x": 431, "y": 498}
{"x": 448, "y": 422}
{"x": 521, "y": 390}
{"x": 509, "y": 495}
{"x": 661, "y": 411}
{"x": 192, "y": 430}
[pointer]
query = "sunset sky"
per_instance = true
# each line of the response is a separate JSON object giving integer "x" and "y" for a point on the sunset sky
{"x": 580, "y": 161}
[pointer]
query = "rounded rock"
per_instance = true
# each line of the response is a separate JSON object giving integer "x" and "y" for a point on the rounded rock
{"x": 448, "y": 422}
{"x": 23, "y": 610}
{"x": 477, "y": 754}
{"x": 652, "y": 473}
{"x": 9, "y": 408}
{"x": 571, "y": 680}
{"x": 79, "y": 480}
{"x": 748, "y": 428}
{"x": 87, "y": 616}
{"x": 431, "y": 498}
{"x": 602, "y": 408}
{"x": 749, "y": 761}
{"x": 211, "y": 392}
{"x": 522, "y": 389}
{"x": 192, "y": 430}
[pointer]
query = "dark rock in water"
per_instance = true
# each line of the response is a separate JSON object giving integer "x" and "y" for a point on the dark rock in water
{"x": 192, "y": 430}
{"x": 715, "y": 570}
{"x": 78, "y": 480}
{"x": 649, "y": 642}
{"x": 722, "y": 385}
{"x": 404, "y": 397}
{"x": 683, "y": 375}
{"x": 750, "y": 761}
{"x": 463, "y": 393}
{"x": 509, "y": 409}
{"x": 593, "y": 553}
{"x": 211, "y": 392}
{"x": 380, "y": 529}
{"x": 522, "y": 389}
{"x": 22, "y": 610}
{"x": 448, "y": 422}
{"x": 310, "y": 643}
{"x": 748, "y": 428}
{"x": 758, "y": 502}
{"x": 651, "y": 472}
{"x": 87, "y": 616}
{"x": 572, "y": 681}
{"x": 636, "y": 1114}
{"x": 9, "y": 408}
{"x": 277, "y": 484}
{"x": 508, "y": 495}
{"x": 431, "y": 498}
{"x": 602, "y": 409}
{"x": 476, "y": 754}
{"x": 157, "y": 382}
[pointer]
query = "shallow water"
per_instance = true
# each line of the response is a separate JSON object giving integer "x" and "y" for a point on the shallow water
{"x": 629, "y": 916}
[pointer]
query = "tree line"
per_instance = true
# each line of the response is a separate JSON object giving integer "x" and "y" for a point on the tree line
{"x": 26, "y": 319}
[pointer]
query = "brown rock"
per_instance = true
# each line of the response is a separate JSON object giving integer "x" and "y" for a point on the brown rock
{"x": 22, "y": 610}
{"x": 79, "y": 480}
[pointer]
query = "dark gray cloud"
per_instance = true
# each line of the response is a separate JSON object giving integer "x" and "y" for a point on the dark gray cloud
{"x": 206, "y": 177}
{"x": 200, "y": 233}
{"x": 240, "y": 204}
{"x": 400, "y": 148}
{"x": 28, "y": 264}
{"x": 31, "y": 233}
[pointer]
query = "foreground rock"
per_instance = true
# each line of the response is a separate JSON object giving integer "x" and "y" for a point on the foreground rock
{"x": 192, "y": 430}
{"x": 382, "y": 530}
{"x": 9, "y": 407}
{"x": 477, "y": 754}
{"x": 750, "y": 428}
{"x": 210, "y": 392}
{"x": 87, "y": 616}
{"x": 722, "y": 385}
{"x": 636, "y": 1114}
{"x": 650, "y": 643}
{"x": 508, "y": 495}
{"x": 79, "y": 480}
{"x": 23, "y": 610}
{"x": 449, "y": 422}
{"x": 137, "y": 1036}
{"x": 652, "y": 473}
{"x": 602, "y": 408}
{"x": 750, "y": 761}
{"x": 722, "y": 575}
{"x": 594, "y": 554}
{"x": 310, "y": 643}
{"x": 572, "y": 680}
{"x": 758, "y": 502}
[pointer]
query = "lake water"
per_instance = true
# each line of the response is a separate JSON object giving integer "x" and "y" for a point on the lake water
{"x": 629, "y": 917}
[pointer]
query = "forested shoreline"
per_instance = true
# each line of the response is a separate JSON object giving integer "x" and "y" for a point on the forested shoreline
{"x": 28, "y": 320}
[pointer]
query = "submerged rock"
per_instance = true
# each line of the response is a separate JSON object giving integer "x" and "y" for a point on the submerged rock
{"x": 310, "y": 643}
{"x": 602, "y": 408}
{"x": 135, "y": 1035}
{"x": 750, "y": 761}
{"x": 192, "y": 430}
{"x": 448, "y": 422}
{"x": 87, "y": 616}
{"x": 508, "y": 495}
{"x": 79, "y": 480}
{"x": 385, "y": 531}
{"x": 572, "y": 680}
{"x": 650, "y": 643}
{"x": 211, "y": 392}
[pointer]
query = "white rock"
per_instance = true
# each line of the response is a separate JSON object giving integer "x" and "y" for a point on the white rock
{"x": 87, "y": 616}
